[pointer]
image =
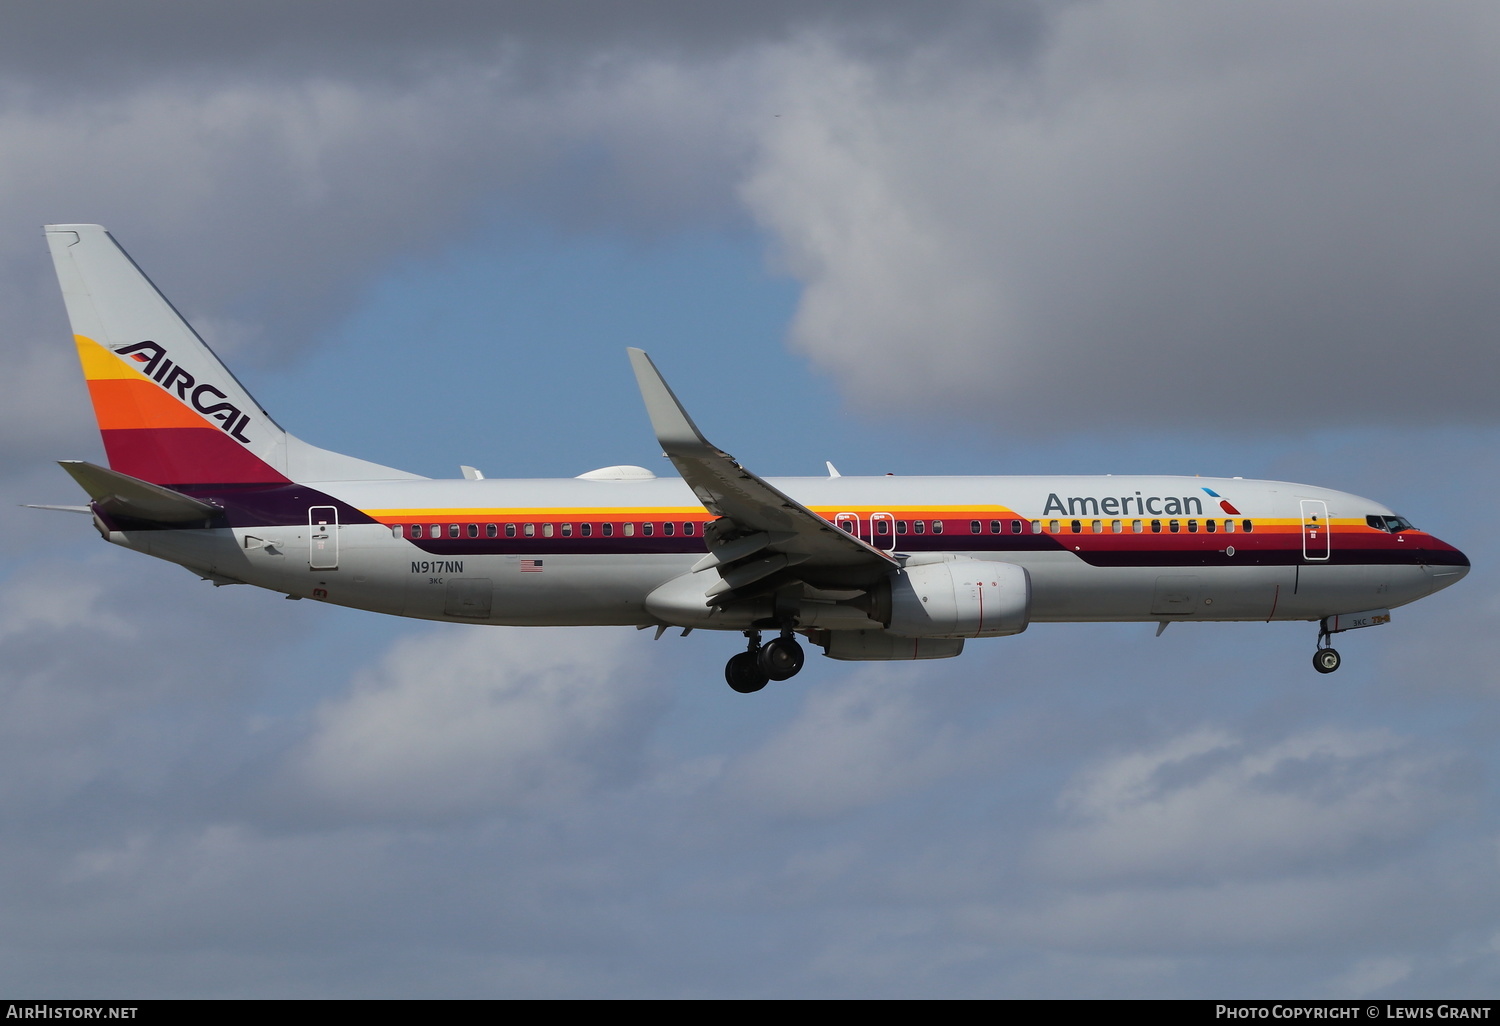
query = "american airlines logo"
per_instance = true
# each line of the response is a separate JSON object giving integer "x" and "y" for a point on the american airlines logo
{"x": 160, "y": 369}
{"x": 1123, "y": 505}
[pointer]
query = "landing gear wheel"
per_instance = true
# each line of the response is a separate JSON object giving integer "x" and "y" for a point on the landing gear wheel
{"x": 1326, "y": 660}
{"x": 744, "y": 674}
{"x": 781, "y": 658}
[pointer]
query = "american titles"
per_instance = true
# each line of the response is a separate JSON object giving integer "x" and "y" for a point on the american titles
{"x": 159, "y": 368}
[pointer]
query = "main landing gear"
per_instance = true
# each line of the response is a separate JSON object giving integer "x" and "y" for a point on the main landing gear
{"x": 778, "y": 659}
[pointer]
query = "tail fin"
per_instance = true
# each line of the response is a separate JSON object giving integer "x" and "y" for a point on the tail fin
{"x": 169, "y": 411}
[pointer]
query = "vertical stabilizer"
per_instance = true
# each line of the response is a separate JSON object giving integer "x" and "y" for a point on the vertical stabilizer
{"x": 169, "y": 411}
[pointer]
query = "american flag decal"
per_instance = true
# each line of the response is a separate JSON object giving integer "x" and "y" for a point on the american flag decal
{"x": 531, "y": 566}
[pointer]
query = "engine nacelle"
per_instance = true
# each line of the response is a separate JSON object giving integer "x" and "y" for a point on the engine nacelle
{"x": 959, "y": 598}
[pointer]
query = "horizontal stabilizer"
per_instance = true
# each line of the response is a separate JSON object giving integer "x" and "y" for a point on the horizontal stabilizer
{"x": 60, "y": 509}
{"x": 128, "y": 496}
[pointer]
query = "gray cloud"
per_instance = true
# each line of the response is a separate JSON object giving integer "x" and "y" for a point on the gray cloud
{"x": 89, "y": 44}
{"x": 1234, "y": 217}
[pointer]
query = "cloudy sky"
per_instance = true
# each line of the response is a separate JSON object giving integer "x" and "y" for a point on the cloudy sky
{"x": 960, "y": 237}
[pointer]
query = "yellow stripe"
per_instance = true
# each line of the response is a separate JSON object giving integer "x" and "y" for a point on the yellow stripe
{"x": 631, "y": 512}
{"x": 541, "y": 513}
{"x": 99, "y": 363}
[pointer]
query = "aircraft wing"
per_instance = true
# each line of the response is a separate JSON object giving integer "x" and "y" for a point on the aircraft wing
{"x": 768, "y": 532}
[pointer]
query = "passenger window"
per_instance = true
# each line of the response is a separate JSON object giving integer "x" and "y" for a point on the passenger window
{"x": 510, "y": 530}
{"x": 529, "y": 530}
{"x": 687, "y": 528}
{"x": 1174, "y": 526}
{"x": 1156, "y": 527}
{"x": 1076, "y": 526}
{"x": 667, "y": 528}
{"x": 847, "y": 526}
{"x": 1116, "y": 527}
{"x": 630, "y": 530}
{"x": 994, "y": 527}
{"x": 882, "y": 527}
{"x": 1192, "y": 527}
{"x": 585, "y": 530}
{"x": 1015, "y": 527}
{"x": 1052, "y": 527}
{"x": 937, "y": 527}
{"x": 567, "y": 530}
{"x": 435, "y": 531}
{"x": 1036, "y": 527}
{"x": 1229, "y": 526}
{"x": 396, "y": 530}
{"x": 608, "y": 530}
{"x": 919, "y": 526}
{"x": 1210, "y": 526}
{"x": 901, "y": 527}
{"x": 452, "y": 530}
{"x": 1137, "y": 526}
{"x": 473, "y": 531}
{"x": 414, "y": 531}
{"x": 491, "y": 531}
{"x": 648, "y": 529}
{"x": 1097, "y": 527}
{"x": 975, "y": 527}
{"x": 1247, "y": 525}
{"x": 546, "y": 530}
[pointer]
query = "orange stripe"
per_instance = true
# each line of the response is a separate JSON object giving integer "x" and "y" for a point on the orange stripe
{"x": 125, "y": 403}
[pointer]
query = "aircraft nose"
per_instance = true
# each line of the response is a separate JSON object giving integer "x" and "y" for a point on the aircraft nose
{"x": 1444, "y": 564}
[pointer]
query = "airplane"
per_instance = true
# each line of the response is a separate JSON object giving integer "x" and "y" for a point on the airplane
{"x": 865, "y": 568}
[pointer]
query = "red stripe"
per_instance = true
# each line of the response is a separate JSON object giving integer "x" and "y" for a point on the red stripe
{"x": 182, "y": 456}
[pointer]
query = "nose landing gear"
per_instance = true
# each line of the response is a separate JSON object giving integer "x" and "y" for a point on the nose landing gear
{"x": 780, "y": 659}
{"x": 1326, "y": 659}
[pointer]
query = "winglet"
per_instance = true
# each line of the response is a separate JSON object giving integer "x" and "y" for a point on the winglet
{"x": 675, "y": 430}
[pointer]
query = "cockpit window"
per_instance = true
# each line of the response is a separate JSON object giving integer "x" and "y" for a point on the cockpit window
{"x": 1389, "y": 524}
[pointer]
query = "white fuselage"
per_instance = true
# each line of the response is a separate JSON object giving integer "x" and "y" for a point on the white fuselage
{"x": 1095, "y": 548}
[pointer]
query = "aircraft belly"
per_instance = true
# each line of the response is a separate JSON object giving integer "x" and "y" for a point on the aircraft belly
{"x": 1323, "y": 590}
{"x": 215, "y": 553}
{"x": 541, "y": 591}
{"x": 1065, "y": 589}
{"x": 366, "y": 577}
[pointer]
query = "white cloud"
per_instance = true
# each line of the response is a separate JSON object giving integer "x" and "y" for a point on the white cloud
{"x": 1208, "y": 805}
{"x": 472, "y": 719}
{"x": 856, "y": 743}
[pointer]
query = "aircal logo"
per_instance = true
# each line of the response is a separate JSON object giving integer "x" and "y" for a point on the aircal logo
{"x": 160, "y": 369}
{"x": 1123, "y": 505}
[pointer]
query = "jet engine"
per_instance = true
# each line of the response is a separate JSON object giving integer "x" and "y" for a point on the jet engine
{"x": 958, "y": 598}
